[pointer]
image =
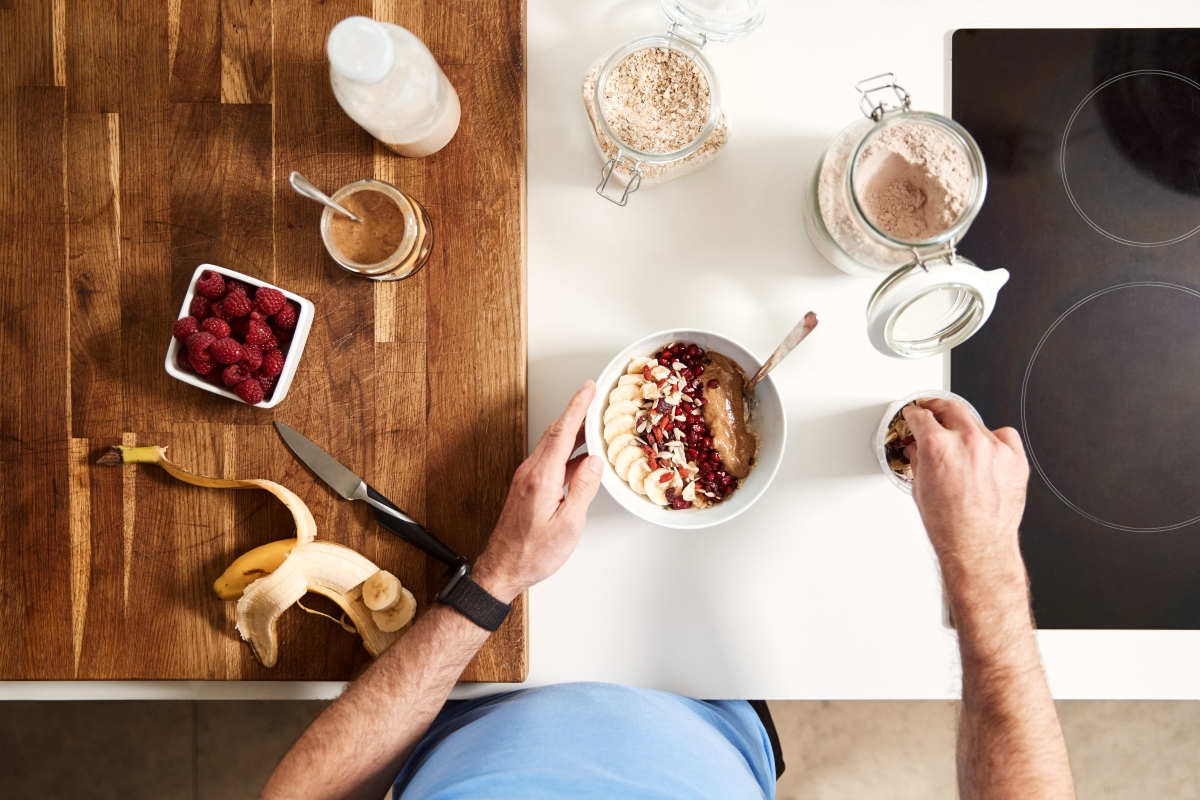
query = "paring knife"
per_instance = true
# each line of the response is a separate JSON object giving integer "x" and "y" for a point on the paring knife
{"x": 352, "y": 487}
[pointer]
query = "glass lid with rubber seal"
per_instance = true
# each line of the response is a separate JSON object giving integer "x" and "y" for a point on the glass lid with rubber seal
{"x": 929, "y": 306}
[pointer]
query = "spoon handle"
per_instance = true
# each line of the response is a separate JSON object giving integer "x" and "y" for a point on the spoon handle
{"x": 803, "y": 328}
{"x": 306, "y": 188}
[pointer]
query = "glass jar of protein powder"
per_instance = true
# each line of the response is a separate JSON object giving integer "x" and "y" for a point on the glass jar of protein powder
{"x": 654, "y": 103}
{"x": 890, "y": 197}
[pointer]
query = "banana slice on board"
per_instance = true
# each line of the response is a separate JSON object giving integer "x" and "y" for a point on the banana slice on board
{"x": 656, "y": 487}
{"x": 381, "y": 591}
{"x": 626, "y": 459}
{"x": 618, "y": 425}
{"x": 630, "y": 380}
{"x": 623, "y": 407}
{"x": 637, "y": 475}
{"x": 626, "y": 392}
{"x": 393, "y": 618}
{"x": 618, "y": 444}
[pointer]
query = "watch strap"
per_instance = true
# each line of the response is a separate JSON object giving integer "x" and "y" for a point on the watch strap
{"x": 473, "y": 601}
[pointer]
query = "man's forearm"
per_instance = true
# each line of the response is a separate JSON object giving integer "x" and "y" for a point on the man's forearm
{"x": 1010, "y": 741}
{"x": 358, "y": 744}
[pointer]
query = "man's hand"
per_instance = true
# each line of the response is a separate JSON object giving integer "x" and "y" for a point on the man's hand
{"x": 539, "y": 528}
{"x": 358, "y": 745}
{"x": 969, "y": 485}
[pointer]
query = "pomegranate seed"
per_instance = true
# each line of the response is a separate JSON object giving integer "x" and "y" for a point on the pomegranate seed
{"x": 699, "y": 369}
{"x": 692, "y": 453}
{"x": 664, "y": 360}
{"x": 706, "y": 442}
{"x": 692, "y": 349}
{"x": 714, "y": 384}
{"x": 688, "y": 374}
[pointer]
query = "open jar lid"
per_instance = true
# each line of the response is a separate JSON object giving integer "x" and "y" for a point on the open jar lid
{"x": 928, "y": 307}
{"x": 715, "y": 20}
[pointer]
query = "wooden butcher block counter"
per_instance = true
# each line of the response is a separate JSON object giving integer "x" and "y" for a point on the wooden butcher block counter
{"x": 143, "y": 138}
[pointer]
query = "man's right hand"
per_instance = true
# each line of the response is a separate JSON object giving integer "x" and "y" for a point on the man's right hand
{"x": 969, "y": 485}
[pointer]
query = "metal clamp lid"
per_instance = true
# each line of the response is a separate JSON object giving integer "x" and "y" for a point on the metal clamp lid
{"x": 875, "y": 101}
{"x": 606, "y": 173}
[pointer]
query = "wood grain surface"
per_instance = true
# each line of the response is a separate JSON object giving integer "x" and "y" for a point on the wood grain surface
{"x": 141, "y": 138}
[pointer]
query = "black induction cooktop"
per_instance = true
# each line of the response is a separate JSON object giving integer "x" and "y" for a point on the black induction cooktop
{"x": 1092, "y": 143}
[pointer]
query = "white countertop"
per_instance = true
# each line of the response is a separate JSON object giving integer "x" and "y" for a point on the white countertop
{"x": 827, "y": 588}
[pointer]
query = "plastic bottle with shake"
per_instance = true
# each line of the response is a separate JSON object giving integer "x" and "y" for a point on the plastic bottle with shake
{"x": 387, "y": 81}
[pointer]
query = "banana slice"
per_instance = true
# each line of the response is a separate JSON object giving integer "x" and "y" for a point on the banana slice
{"x": 618, "y": 444}
{"x": 638, "y": 364}
{"x": 630, "y": 380}
{"x": 656, "y": 487}
{"x": 636, "y": 476}
{"x": 626, "y": 392}
{"x": 381, "y": 591}
{"x": 618, "y": 425}
{"x": 399, "y": 615}
{"x": 626, "y": 459}
{"x": 623, "y": 407}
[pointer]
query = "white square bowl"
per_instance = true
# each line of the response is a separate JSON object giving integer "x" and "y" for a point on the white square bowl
{"x": 769, "y": 422}
{"x": 291, "y": 357}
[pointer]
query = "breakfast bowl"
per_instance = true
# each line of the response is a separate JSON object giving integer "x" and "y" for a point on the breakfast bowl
{"x": 766, "y": 421}
{"x": 291, "y": 348}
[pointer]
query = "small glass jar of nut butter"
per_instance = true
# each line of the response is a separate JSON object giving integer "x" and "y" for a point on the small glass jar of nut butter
{"x": 392, "y": 242}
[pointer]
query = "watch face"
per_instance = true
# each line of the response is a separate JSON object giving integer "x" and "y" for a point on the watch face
{"x": 464, "y": 569}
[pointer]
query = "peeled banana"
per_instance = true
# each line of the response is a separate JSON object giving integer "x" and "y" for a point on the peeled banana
{"x": 269, "y": 579}
{"x": 250, "y": 566}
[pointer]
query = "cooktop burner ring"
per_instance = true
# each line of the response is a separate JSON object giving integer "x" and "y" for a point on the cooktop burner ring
{"x": 1025, "y": 428}
{"x": 1099, "y": 228}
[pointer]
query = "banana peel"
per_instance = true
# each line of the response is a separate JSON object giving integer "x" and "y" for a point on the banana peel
{"x": 269, "y": 579}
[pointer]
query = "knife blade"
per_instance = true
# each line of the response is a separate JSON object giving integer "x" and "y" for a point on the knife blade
{"x": 351, "y": 487}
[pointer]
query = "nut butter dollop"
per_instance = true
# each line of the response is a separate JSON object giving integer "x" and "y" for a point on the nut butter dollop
{"x": 725, "y": 414}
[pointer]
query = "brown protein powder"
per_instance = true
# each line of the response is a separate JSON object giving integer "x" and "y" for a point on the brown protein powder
{"x": 380, "y": 233}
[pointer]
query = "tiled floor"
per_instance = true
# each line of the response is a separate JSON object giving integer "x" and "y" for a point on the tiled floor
{"x": 834, "y": 750}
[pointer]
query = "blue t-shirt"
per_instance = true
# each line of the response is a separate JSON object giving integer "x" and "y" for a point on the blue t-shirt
{"x": 591, "y": 740}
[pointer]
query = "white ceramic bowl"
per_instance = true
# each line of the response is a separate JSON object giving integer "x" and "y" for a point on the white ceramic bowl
{"x": 291, "y": 358}
{"x": 769, "y": 422}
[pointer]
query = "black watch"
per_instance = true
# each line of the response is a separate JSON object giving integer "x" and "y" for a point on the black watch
{"x": 472, "y": 600}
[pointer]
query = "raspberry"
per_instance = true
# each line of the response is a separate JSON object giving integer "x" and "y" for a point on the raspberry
{"x": 237, "y": 304}
{"x": 269, "y": 300}
{"x": 281, "y": 336}
{"x": 234, "y": 285}
{"x": 199, "y": 342}
{"x": 218, "y": 310}
{"x": 267, "y": 383}
{"x": 227, "y": 351}
{"x": 234, "y": 374}
{"x": 214, "y": 377}
{"x": 211, "y": 284}
{"x": 271, "y": 343}
{"x": 250, "y": 391}
{"x": 258, "y": 332}
{"x": 181, "y": 360}
{"x": 217, "y": 327}
{"x": 201, "y": 307}
{"x": 285, "y": 318}
{"x": 202, "y": 363}
{"x": 252, "y": 357}
{"x": 272, "y": 363}
{"x": 184, "y": 328}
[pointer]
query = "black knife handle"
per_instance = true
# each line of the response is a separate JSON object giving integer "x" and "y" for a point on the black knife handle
{"x": 411, "y": 532}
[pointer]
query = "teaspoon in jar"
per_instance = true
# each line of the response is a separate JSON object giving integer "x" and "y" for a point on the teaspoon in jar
{"x": 803, "y": 328}
{"x": 306, "y": 188}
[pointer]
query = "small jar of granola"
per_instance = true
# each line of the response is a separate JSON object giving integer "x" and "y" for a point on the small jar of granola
{"x": 892, "y": 436}
{"x": 654, "y": 103}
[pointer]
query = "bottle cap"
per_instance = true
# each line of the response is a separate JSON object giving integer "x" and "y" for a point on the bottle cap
{"x": 360, "y": 49}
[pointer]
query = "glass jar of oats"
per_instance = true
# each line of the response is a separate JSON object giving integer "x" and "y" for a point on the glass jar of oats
{"x": 654, "y": 103}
